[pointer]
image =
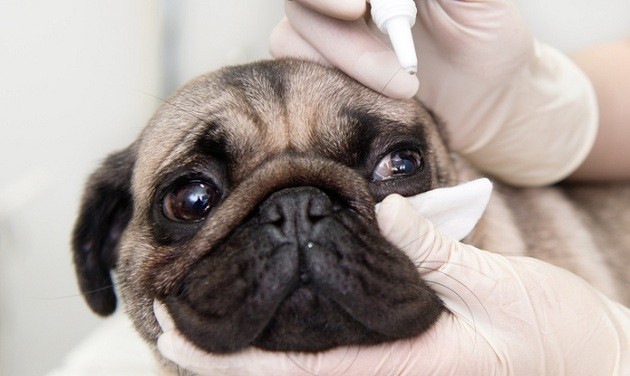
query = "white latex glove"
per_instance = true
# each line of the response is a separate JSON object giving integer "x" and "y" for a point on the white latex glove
{"x": 516, "y": 108}
{"x": 508, "y": 316}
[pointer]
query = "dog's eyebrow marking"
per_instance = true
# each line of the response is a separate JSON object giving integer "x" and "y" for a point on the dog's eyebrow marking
{"x": 371, "y": 119}
{"x": 210, "y": 143}
{"x": 370, "y": 126}
{"x": 274, "y": 77}
{"x": 277, "y": 81}
{"x": 178, "y": 148}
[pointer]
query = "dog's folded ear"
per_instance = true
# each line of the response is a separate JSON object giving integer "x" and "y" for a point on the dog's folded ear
{"x": 105, "y": 211}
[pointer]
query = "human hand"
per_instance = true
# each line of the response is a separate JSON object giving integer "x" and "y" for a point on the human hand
{"x": 481, "y": 38}
{"x": 514, "y": 107}
{"x": 473, "y": 42}
{"x": 507, "y": 315}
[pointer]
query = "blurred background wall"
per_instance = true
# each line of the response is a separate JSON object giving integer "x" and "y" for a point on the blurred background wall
{"x": 79, "y": 79}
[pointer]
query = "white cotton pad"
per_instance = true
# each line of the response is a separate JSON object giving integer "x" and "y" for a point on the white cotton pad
{"x": 454, "y": 211}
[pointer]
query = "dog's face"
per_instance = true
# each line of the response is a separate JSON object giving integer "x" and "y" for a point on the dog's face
{"x": 247, "y": 207}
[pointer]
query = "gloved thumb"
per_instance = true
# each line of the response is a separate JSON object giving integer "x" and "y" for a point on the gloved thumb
{"x": 462, "y": 275}
{"x": 570, "y": 327}
{"x": 406, "y": 228}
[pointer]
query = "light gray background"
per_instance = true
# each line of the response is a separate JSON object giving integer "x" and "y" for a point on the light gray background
{"x": 78, "y": 79}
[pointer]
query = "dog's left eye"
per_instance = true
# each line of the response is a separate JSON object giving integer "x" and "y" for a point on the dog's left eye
{"x": 190, "y": 201}
{"x": 400, "y": 163}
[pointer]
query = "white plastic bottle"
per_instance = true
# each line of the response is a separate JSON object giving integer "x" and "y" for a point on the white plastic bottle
{"x": 395, "y": 18}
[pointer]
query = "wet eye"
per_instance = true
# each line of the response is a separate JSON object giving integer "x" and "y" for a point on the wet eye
{"x": 400, "y": 163}
{"x": 190, "y": 201}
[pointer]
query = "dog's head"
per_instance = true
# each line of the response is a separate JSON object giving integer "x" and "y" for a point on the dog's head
{"x": 246, "y": 206}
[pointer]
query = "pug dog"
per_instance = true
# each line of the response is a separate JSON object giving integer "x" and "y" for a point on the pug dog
{"x": 246, "y": 207}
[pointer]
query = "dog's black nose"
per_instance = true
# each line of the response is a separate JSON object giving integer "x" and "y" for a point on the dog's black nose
{"x": 296, "y": 210}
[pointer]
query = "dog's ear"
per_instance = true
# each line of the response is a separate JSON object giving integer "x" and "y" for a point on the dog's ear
{"x": 105, "y": 211}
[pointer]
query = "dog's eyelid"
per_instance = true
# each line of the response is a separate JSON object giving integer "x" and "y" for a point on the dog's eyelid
{"x": 382, "y": 148}
{"x": 198, "y": 171}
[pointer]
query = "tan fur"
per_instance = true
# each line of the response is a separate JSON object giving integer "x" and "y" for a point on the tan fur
{"x": 270, "y": 136}
{"x": 580, "y": 227}
{"x": 292, "y": 123}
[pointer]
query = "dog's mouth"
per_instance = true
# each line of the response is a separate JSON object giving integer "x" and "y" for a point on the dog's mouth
{"x": 302, "y": 275}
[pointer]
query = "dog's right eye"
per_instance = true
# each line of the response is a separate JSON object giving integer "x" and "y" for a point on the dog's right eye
{"x": 400, "y": 163}
{"x": 190, "y": 201}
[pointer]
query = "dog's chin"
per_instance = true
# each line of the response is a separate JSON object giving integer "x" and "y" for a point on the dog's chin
{"x": 311, "y": 321}
{"x": 302, "y": 285}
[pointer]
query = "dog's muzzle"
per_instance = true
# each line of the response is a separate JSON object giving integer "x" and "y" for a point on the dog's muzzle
{"x": 303, "y": 273}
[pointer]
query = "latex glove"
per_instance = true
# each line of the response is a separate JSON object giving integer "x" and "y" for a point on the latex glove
{"x": 508, "y": 316}
{"x": 516, "y": 108}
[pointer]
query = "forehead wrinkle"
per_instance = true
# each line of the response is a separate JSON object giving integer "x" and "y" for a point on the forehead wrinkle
{"x": 298, "y": 132}
{"x": 158, "y": 151}
{"x": 261, "y": 115}
{"x": 313, "y": 111}
{"x": 180, "y": 147}
{"x": 187, "y": 115}
{"x": 244, "y": 140}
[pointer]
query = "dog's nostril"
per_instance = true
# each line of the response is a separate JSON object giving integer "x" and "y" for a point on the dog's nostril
{"x": 319, "y": 207}
{"x": 273, "y": 215}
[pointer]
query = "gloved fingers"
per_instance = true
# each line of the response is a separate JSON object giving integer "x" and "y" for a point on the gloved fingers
{"x": 424, "y": 353}
{"x": 467, "y": 279}
{"x": 402, "y": 225}
{"x": 451, "y": 28}
{"x": 341, "y": 9}
{"x": 285, "y": 42}
{"x": 162, "y": 316}
{"x": 482, "y": 13}
{"x": 473, "y": 34}
{"x": 175, "y": 347}
{"x": 251, "y": 361}
{"x": 351, "y": 47}
{"x": 385, "y": 359}
{"x": 504, "y": 300}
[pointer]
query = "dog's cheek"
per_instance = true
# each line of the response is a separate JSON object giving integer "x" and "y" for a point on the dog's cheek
{"x": 229, "y": 296}
{"x": 136, "y": 297}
